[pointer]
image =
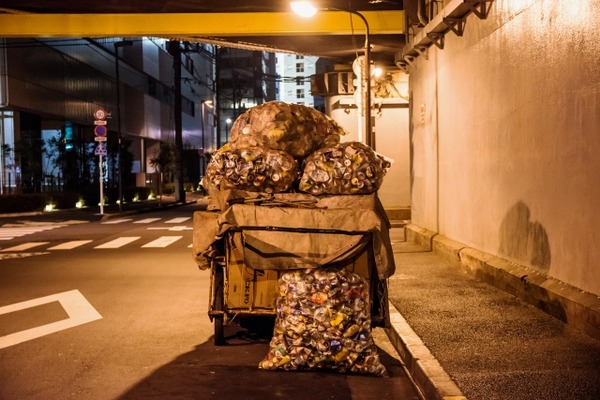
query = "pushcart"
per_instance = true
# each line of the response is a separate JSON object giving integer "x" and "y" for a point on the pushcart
{"x": 254, "y": 245}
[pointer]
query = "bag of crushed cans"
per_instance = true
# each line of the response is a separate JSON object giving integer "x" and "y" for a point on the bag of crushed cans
{"x": 254, "y": 169}
{"x": 346, "y": 168}
{"x": 296, "y": 129}
{"x": 323, "y": 322}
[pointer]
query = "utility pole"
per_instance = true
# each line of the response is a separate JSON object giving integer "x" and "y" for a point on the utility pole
{"x": 175, "y": 51}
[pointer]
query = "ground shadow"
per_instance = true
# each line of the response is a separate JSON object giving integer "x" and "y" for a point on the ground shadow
{"x": 231, "y": 372}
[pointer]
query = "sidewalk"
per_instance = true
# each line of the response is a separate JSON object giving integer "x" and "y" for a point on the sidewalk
{"x": 462, "y": 338}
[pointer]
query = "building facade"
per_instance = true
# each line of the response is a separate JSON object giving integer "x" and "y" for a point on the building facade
{"x": 245, "y": 78}
{"x": 294, "y": 73}
{"x": 50, "y": 89}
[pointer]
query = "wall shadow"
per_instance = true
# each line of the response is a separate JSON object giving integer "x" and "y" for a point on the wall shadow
{"x": 523, "y": 239}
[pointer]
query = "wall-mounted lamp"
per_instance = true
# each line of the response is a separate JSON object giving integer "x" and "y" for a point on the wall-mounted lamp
{"x": 306, "y": 9}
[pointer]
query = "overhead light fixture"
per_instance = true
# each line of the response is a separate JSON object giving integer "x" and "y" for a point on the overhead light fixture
{"x": 303, "y": 8}
{"x": 306, "y": 9}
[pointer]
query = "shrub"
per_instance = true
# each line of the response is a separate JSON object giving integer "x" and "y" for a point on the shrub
{"x": 13, "y": 203}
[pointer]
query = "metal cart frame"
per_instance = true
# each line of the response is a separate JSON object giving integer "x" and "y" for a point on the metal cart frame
{"x": 222, "y": 282}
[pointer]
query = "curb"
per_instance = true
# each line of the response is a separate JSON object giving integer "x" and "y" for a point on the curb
{"x": 561, "y": 300}
{"x": 426, "y": 372}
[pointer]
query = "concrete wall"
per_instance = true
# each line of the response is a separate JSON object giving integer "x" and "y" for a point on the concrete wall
{"x": 505, "y": 135}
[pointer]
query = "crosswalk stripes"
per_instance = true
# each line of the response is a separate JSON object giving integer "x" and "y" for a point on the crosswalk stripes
{"x": 73, "y": 244}
{"x": 177, "y": 220}
{"x": 21, "y": 250}
{"x": 11, "y": 232}
{"x": 116, "y": 243}
{"x": 116, "y": 221}
{"x": 23, "y": 246}
{"x": 147, "y": 220}
{"x": 162, "y": 241}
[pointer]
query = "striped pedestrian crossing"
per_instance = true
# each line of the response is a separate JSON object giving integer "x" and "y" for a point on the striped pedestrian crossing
{"x": 116, "y": 243}
{"x": 162, "y": 242}
{"x": 73, "y": 244}
{"x": 147, "y": 220}
{"x": 38, "y": 248}
{"x": 11, "y": 232}
{"x": 23, "y": 247}
{"x": 8, "y": 232}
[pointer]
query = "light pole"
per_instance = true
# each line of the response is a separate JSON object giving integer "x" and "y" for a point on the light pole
{"x": 306, "y": 9}
{"x": 209, "y": 104}
{"x": 122, "y": 43}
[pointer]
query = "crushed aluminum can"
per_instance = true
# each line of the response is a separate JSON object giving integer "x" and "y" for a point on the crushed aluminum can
{"x": 296, "y": 129}
{"x": 323, "y": 323}
{"x": 346, "y": 168}
{"x": 254, "y": 169}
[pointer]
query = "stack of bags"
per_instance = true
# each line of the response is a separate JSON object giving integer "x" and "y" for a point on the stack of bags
{"x": 323, "y": 322}
{"x": 278, "y": 147}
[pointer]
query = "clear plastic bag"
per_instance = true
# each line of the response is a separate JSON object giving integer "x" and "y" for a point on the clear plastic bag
{"x": 346, "y": 168}
{"x": 323, "y": 322}
{"x": 296, "y": 129}
{"x": 254, "y": 169}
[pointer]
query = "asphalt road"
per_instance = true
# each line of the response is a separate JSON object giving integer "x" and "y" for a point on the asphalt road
{"x": 117, "y": 310}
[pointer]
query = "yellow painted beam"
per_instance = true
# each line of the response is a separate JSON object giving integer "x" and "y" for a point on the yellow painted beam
{"x": 197, "y": 24}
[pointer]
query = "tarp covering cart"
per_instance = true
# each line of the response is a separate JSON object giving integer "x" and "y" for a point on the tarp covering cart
{"x": 248, "y": 240}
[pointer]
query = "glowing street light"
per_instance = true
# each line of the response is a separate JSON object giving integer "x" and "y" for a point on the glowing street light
{"x": 306, "y": 9}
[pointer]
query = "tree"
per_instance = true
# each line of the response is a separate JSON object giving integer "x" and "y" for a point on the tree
{"x": 163, "y": 161}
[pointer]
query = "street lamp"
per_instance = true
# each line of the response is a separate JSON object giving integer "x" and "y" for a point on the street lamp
{"x": 122, "y": 43}
{"x": 306, "y": 9}
{"x": 227, "y": 123}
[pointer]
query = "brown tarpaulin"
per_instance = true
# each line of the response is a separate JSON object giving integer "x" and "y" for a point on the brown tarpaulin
{"x": 288, "y": 237}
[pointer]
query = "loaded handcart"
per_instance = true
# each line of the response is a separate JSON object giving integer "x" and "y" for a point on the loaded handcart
{"x": 249, "y": 240}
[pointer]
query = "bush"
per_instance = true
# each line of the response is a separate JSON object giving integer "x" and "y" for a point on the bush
{"x": 64, "y": 200}
{"x": 168, "y": 188}
{"x": 13, "y": 203}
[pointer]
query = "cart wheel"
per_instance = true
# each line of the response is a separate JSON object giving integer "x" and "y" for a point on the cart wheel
{"x": 219, "y": 336}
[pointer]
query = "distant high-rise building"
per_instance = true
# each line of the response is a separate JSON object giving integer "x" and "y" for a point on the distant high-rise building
{"x": 245, "y": 78}
{"x": 294, "y": 72}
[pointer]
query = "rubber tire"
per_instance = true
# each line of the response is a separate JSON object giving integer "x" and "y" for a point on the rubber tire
{"x": 219, "y": 334}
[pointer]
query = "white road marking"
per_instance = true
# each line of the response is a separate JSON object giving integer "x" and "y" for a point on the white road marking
{"x": 69, "y": 245}
{"x": 10, "y": 256}
{"x": 24, "y": 246}
{"x": 162, "y": 241}
{"x": 115, "y": 244}
{"x": 117, "y": 221}
{"x": 79, "y": 309}
{"x": 177, "y": 220}
{"x": 146, "y": 220}
{"x": 178, "y": 228}
{"x": 8, "y": 233}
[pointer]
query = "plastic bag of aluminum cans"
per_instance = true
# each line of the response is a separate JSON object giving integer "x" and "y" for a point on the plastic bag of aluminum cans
{"x": 346, "y": 168}
{"x": 293, "y": 128}
{"x": 323, "y": 322}
{"x": 254, "y": 169}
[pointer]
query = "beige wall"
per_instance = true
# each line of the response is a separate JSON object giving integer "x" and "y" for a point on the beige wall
{"x": 505, "y": 130}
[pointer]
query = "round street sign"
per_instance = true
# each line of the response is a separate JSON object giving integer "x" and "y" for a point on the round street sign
{"x": 100, "y": 114}
{"x": 100, "y": 130}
